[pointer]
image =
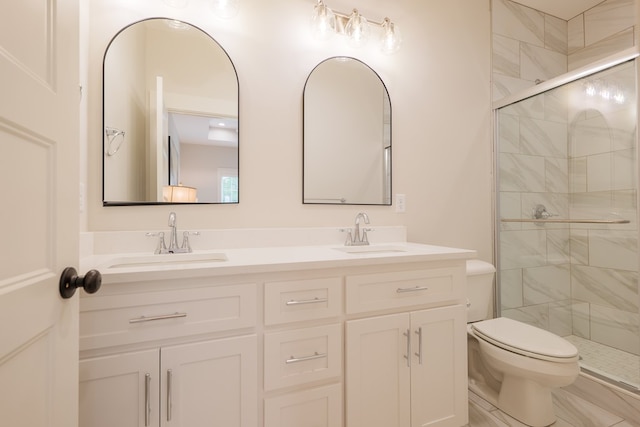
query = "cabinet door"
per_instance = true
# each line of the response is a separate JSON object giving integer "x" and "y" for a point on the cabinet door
{"x": 120, "y": 390}
{"x": 378, "y": 372}
{"x": 439, "y": 367}
{"x": 212, "y": 383}
{"x": 316, "y": 407}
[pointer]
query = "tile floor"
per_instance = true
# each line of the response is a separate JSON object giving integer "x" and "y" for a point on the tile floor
{"x": 571, "y": 410}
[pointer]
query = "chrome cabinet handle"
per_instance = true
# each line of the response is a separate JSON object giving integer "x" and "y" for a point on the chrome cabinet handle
{"x": 414, "y": 289}
{"x": 307, "y": 301}
{"x": 314, "y": 356}
{"x": 147, "y": 399}
{"x": 169, "y": 391}
{"x": 419, "y": 353}
{"x": 142, "y": 319}
{"x": 408, "y": 355}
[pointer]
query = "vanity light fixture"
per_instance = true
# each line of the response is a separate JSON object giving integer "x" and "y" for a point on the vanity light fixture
{"x": 391, "y": 37}
{"x": 323, "y": 21}
{"x": 357, "y": 29}
{"x": 326, "y": 22}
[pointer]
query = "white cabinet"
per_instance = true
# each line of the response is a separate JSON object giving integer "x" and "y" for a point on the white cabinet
{"x": 315, "y": 407}
{"x": 407, "y": 369}
{"x": 210, "y": 383}
{"x": 121, "y": 390}
{"x": 304, "y": 354}
{"x": 369, "y": 344}
{"x": 136, "y": 369}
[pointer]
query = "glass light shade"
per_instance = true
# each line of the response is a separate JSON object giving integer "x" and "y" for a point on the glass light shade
{"x": 323, "y": 21}
{"x": 357, "y": 30}
{"x": 226, "y": 8}
{"x": 179, "y": 194}
{"x": 391, "y": 38}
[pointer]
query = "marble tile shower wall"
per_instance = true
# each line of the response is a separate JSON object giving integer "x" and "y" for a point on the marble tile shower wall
{"x": 530, "y": 46}
{"x": 576, "y": 156}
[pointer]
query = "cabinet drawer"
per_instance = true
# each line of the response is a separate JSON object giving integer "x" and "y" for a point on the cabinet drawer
{"x": 369, "y": 292}
{"x": 131, "y": 318}
{"x": 303, "y": 355}
{"x": 323, "y": 405}
{"x": 296, "y": 300}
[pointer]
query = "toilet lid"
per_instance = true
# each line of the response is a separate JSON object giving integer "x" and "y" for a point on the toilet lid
{"x": 525, "y": 339}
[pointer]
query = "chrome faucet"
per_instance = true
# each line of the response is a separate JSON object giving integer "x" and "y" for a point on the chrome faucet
{"x": 173, "y": 239}
{"x": 359, "y": 236}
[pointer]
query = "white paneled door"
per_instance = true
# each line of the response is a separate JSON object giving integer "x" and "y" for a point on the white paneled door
{"x": 39, "y": 104}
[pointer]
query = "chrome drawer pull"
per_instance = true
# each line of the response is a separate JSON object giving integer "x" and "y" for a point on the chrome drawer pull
{"x": 307, "y": 301}
{"x": 416, "y": 289}
{"x": 315, "y": 355}
{"x": 161, "y": 317}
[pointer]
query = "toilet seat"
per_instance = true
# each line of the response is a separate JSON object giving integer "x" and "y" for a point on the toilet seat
{"x": 525, "y": 339}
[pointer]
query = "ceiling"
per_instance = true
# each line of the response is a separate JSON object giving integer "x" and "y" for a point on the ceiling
{"x": 206, "y": 130}
{"x": 565, "y": 9}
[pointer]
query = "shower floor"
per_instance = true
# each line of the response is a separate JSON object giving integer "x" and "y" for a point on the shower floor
{"x": 607, "y": 361}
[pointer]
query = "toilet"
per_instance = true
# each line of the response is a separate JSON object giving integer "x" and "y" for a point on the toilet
{"x": 513, "y": 365}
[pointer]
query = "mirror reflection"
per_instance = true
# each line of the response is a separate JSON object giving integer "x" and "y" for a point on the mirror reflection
{"x": 347, "y": 135}
{"x": 170, "y": 117}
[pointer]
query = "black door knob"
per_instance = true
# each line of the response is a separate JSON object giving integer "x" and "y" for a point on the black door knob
{"x": 70, "y": 281}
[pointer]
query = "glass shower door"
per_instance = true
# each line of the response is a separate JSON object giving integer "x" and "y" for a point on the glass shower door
{"x": 567, "y": 235}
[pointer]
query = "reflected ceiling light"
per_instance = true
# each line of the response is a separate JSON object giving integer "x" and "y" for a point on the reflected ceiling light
{"x": 604, "y": 91}
{"x": 179, "y": 194}
{"x": 177, "y": 25}
{"x": 226, "y": 8}
{"x": 325, "y": 22}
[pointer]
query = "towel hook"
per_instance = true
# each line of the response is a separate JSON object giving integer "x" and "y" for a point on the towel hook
{"x": 112, "y": 134}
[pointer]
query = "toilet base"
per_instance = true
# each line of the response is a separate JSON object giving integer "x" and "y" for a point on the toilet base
{"x": 527, "y": 401}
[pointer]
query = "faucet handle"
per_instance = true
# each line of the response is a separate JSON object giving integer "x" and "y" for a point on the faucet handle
{"x": 161, "y": 245}
{"x": 185, "y": 239}
{"x": 349, "y": 240}
{"x": 365, "y": 240}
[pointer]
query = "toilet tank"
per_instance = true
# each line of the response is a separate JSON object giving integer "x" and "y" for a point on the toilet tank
{"x": 480, "y": 275}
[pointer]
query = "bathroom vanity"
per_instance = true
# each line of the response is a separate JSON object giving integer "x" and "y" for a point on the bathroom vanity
{"x": 371, "y": 336}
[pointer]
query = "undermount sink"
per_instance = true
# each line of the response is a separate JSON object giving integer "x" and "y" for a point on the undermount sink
{"x": 371, "y": 249}
{"x": 164, "y": 259}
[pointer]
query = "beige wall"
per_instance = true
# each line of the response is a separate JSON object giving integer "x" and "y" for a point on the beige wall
{"x": 439, "y": 84}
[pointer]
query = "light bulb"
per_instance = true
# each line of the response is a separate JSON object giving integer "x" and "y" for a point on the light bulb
{"x": 226, "y": 8}
{"x": 357, "y": 29}
{"x": 323, "y": 21}
{"x": 391, "y": 37}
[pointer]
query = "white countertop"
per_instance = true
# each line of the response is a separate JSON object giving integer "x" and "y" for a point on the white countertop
{"x": 115, "y": 267}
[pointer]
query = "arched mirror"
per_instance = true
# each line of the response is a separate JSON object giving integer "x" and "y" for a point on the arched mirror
{"x": 347, "y": 135}
{"x": 170, "y": 96}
